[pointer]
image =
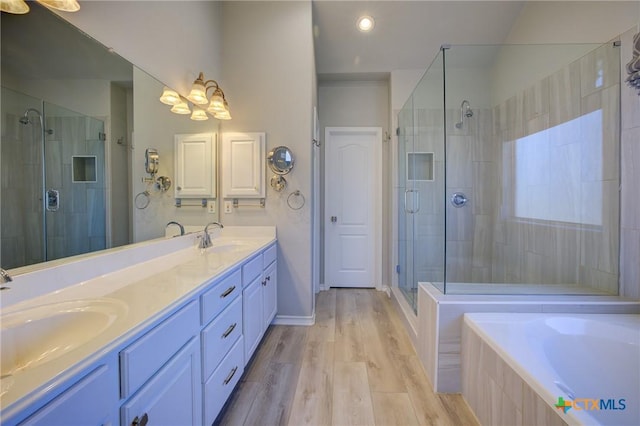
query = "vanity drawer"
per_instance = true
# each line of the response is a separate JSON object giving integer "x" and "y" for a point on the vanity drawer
{"x": 219, "y": 336}
{"x": 142, "y": 359}
{"x": 221, "y": 383}
{"x": 220, "y": 296}
{"x": 269, "y": 256}
{"x": 251, "y": 270}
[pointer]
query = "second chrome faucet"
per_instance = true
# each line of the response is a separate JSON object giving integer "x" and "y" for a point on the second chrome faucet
{"x": 205, "y": 241}
{"x": 173, "y": 222}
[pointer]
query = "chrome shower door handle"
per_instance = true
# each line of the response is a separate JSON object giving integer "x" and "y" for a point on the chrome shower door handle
{"x": 416, "y": 202}
{"x": 406, "y": 210}
{"x": 52, "y": 197}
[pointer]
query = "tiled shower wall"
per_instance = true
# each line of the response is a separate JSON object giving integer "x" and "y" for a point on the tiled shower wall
{"x": 21, "y": 181}
{"x": 555, "y": 252}
{"x": 484, "y": 242}
{"x": 630, "y": 201}
{"x": 472, "y": 170}
{"x": 79, "y": 225}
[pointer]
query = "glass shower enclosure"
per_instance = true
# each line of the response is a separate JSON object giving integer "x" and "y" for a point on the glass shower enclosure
{"x": 52, "y": 186}
{"x": 508, "y": 172}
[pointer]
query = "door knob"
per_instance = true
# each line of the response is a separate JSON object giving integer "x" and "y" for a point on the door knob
{"x": 334, "y": 219}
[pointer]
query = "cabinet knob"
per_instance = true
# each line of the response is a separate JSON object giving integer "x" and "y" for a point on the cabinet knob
{"x": 264, "y": 282}
{"x": 179, "y": 188}
{"x": 269, "y": 278}
{"x": 140, "y": 421}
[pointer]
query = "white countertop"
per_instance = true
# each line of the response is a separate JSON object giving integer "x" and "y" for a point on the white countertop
{"x": 140, "y": 292}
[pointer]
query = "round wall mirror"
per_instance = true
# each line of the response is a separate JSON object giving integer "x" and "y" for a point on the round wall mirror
{"x": 280, "y": 160}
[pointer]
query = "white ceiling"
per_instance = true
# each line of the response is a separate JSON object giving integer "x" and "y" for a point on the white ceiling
{"x": 407, "y": 34}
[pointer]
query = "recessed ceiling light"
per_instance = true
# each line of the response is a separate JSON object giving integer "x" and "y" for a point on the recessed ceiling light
{"x": 366, "y": 23}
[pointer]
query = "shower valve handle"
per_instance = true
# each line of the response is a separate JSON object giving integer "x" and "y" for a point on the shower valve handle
{"x": 52, "y": 198}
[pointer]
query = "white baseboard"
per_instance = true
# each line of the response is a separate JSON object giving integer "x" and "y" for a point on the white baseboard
{"x": 386, "y": 289}
{"x": 294, "y": 320}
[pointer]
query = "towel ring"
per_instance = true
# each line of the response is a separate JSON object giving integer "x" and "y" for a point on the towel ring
{"x": 142, "y": 203}
{"x": 297, "y": 194}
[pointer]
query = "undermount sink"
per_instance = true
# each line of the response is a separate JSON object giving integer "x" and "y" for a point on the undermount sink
{"x": 227, "y": 246}
{"x": 34, "y": 336}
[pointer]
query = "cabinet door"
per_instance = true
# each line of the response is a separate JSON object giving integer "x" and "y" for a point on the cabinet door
{"x": 195, "y": 165}
{"x": 91, "y": 401}
{"x": 173, "y": 396}
{"x": 243, "y": 165}
{"x": 252, "y": 320}
{"x": 270, "y": 294}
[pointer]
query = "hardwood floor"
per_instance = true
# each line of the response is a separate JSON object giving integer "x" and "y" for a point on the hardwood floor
{"x": 355, "y": 366}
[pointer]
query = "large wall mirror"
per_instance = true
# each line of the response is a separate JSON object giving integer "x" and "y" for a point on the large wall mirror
{"x": 76, "y": 121}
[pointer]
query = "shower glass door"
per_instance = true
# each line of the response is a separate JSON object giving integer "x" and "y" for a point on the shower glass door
{"x": 406, "y": 225}
{"x": 421, "y": 185}
{"x": 53, "y": 182}
{"x": 74, "y": 183}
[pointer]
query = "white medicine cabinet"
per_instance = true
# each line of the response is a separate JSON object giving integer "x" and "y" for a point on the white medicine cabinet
{"x": 195, "y": 165}
{"x": 243, "y": 165}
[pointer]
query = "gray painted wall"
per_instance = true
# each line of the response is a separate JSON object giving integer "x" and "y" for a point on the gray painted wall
{"x": 360, "y": 104}
{"x": 269, "y": 78}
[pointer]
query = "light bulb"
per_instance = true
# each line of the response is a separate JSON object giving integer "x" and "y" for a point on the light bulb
{"x": 17, "y": 7}
{"x": 199, "y": 115}
{"x": 170, "y": 97}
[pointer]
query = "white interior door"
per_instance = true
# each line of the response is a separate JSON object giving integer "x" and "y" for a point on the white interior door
{"x": 353, "y": 183}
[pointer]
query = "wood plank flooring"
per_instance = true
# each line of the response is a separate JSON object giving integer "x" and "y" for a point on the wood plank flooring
{"x": 355, "y": 366}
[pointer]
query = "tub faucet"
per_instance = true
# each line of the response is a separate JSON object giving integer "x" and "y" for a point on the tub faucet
{"x": 205, "y": 241}
{"x": 4, "y": 276}
{"x": 173, "y": 222}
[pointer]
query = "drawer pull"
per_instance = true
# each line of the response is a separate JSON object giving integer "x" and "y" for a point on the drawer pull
{"x": 228, "y": 292}
{"x": 230, "y": 376}
{"x": 229, "y": 330}
{"x": 269, "y": 278}
{"x": 264, "y": 282}
{"x": 140, "y": 422}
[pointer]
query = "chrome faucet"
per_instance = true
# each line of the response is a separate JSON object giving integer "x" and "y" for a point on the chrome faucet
{"x": 4, "y": 276}
{"x": 173, "y": 222}
{"x": 205, "y": 241}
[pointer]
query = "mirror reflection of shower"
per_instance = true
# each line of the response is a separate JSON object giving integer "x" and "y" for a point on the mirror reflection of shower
{"x": 465, "y": 111}
{"x": 26, "y": 120}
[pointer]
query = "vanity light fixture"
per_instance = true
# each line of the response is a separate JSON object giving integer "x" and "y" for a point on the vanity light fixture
{"x": 365, "y": 23}
{"x": 218, "y": 106}
{"x": 170, "y": 96}
{"x": 181, "y": 108}
{"x": 21, "y": 7}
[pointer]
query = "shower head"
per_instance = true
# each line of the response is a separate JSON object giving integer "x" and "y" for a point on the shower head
{"x": 465, "y": 111}
{"x": 25, "y": 117}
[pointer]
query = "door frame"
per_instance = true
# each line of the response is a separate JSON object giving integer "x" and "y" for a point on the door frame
{"x": 377, "y": 191}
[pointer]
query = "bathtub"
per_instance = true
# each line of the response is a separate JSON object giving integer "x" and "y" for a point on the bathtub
{"x": 591, "y": 361}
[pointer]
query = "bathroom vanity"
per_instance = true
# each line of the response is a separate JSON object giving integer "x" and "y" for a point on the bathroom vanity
{"x": 155, "y": 332}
